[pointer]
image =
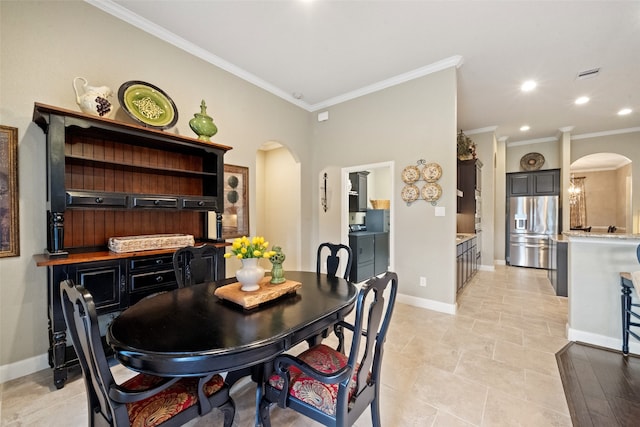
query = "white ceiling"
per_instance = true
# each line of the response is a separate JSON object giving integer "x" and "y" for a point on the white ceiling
{"x": 330, "y": 51}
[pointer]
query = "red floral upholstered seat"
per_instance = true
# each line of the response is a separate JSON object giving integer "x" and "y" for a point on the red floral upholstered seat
{"x": 327, "y": 385}
{"x": 166, "y": 404}
{"x": 144, "y": 400}
{"x": 307, "y": 389}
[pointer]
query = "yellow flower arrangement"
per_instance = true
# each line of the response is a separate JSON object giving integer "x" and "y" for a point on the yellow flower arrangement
{"x": 243, "y": 247}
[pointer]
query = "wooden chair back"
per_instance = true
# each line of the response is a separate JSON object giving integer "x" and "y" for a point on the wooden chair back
{"x": 332, "y": 262}
{"x": 195, "y": 264}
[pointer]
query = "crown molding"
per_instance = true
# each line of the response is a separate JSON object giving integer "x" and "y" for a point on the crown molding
{"x": 453, "y": 61}
{"x": 605, "y": 133}
{"x": 143, "y": 24}
{"x": 480, "y": 130}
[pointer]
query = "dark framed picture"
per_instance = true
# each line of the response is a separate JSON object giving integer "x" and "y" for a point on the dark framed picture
{"x": 9, "y": 227}
{"x": 235, "y": 218}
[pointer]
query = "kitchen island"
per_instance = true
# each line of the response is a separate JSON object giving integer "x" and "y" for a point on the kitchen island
{"x": 595, "y": 261}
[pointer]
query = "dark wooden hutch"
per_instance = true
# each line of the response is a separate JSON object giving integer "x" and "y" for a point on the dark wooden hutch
{"x": 107, "y": 178}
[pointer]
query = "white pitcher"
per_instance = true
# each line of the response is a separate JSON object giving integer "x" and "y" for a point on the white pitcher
{"x": 93, "y": 99}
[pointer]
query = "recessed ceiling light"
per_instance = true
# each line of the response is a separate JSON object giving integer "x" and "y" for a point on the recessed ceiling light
{"x": 524, "y": 128}
{"x": 624, "y": 111}
{"x": 582, "y": 100}
{"x": 528, "y": 86}
{"x": 297, "y": 95}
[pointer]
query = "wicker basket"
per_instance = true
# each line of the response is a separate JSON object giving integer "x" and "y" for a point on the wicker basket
{"x": 149, "y": 242}
{"x": 380, "y": 204}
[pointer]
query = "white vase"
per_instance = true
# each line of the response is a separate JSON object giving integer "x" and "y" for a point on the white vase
{"x": 250, "y": 275}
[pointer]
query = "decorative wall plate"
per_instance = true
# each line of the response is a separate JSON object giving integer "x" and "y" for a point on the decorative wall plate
{"x": 410, "y": 193}
{"x": 148, "y": 104}
{"x": 431, "y": 191}
{"x": 431, "y": 172}
{"x": 532, "y": 161}
{"x": 410, "y": 174}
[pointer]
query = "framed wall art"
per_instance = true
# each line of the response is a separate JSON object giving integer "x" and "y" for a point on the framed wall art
{"x": 235, "y": 218}
{"x": 9, "y": 227}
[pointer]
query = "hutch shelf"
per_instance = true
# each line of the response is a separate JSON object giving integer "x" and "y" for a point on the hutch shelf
{"x": 107, "y": 178}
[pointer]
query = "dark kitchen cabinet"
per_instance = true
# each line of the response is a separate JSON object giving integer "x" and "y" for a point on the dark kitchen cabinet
{"x": 469, "y": 202}
{"x": 370, "y": 254}
{"x": 358, "y": 194}
{"x": 466, "y": 261}
{"x": 558, "y": 274}
{"x": 107, "y": 178}
{"x": 535, "y": 183}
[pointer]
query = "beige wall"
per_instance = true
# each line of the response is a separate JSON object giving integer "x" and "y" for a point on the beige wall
{"x": 549, "y": 150}
{"x": 405, "y": 123}
{"x": 602, "y": 195}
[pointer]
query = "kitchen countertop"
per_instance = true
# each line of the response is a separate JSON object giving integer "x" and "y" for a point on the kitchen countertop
{"x": 617, "y": 236}
{"x": 463, "y": 237}
{"x": 366, "y": 233}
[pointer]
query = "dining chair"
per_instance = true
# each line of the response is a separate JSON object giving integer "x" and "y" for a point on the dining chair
{"x": 327, "y": 385}
{"x": 195, "y": 264}
{"x": 332, "y": 262}
{"x": 630, "y": 318}
{"x": 143, "y": 400}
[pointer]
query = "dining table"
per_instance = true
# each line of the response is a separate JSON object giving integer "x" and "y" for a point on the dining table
{"x": 191, "y": 332}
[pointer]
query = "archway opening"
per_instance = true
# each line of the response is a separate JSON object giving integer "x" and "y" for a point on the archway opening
{"x": 600, "y": 193}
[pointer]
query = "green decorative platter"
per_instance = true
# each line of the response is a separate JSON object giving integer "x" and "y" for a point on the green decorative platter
{"x": 148, "y": 104}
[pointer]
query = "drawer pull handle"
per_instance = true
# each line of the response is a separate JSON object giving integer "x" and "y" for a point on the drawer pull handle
{"x": 200, "y": 203}
{"x": 159, "y": 279}
{"x": 159, "y": 261}
{"x": 99, "y": 200}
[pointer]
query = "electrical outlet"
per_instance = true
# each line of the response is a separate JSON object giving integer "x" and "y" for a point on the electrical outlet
{"x": 423, "y": 282}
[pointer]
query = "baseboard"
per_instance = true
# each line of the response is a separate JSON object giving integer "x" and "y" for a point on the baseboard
{"x": 487, "y": 267}
{"x": 499, "y": 262}
{"x": 23, "y": 367}
{"x": 601, "y": 340}
{"x": 427, "y": 303}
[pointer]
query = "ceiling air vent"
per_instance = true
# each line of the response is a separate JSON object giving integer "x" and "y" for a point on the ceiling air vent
{"x": 587, "y": 74}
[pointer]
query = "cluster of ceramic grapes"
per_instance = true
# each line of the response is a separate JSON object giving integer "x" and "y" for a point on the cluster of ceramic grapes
{"x": 102, "y": 106}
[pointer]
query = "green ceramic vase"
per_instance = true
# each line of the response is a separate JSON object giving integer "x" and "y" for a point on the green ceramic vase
{"x": 202, "y": 124}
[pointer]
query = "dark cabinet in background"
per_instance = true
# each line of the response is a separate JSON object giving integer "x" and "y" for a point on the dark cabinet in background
{"x": 466, "y": 261}
{"x": 558, "y": 274}
{"x": 358, "y": 194}
{"x": 469, "y": 202}
{"x": 535, "y": 183}
{"x": 370, "y": 254}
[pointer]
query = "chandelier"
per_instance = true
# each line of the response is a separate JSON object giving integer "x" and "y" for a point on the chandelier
{"x": 574, "y": 189}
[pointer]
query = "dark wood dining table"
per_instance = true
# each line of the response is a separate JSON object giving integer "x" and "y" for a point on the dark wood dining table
{"x": 191, "y": 332}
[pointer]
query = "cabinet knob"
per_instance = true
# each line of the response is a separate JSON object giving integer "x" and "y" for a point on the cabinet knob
{"x": 99, "y": 200}
{"x": 156, "y": 202}
{"x": 159, "y": 279}
{"x": 200, "y": 203}
{"x": 159, "y": 261}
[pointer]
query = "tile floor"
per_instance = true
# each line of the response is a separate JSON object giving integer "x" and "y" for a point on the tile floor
{"x": 492, "y": 364}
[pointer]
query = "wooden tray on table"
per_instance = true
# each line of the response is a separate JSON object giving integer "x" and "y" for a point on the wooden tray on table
{"x": 252, "y": 299}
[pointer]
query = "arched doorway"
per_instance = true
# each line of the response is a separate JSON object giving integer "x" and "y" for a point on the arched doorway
{"x": 602, "y": 181}
{"x": 278, "y": 200}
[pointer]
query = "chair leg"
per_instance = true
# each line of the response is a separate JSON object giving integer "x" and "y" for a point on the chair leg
{"x": 626, "y": 318}
{"x": 229, "y": 412}
{"x": 265, "y": 418}
{"x": 375, "y": 410}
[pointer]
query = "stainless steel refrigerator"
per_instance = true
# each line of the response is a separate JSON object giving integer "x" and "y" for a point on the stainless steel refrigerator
{"x": 532, "y": 220}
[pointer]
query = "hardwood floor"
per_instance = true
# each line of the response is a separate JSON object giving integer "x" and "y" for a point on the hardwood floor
{"x": 602, "y": 386}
